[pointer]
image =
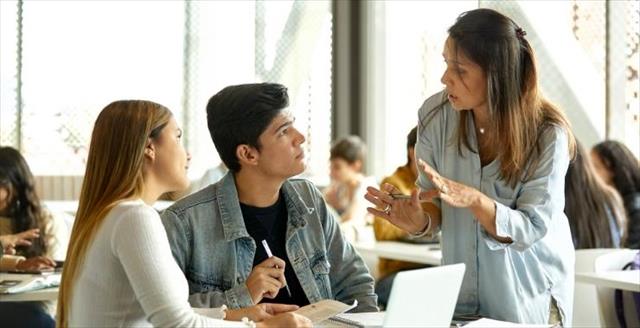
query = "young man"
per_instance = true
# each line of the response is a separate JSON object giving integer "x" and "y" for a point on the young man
{"x": 217, "y": 234}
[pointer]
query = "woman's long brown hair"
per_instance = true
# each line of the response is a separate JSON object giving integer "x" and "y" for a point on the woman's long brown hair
{"x": 519, "y": 115}
{"x": 114, "y": 173}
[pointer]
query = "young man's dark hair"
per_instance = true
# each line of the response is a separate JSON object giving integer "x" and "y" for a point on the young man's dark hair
{"x": 230, "y": 127}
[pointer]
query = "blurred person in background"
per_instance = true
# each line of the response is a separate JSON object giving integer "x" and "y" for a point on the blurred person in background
{"x": 348, "y": 186}
{"x": 595, "y": 210}
{"x": 37, "y": 236}
{"x": 620, "y": 169}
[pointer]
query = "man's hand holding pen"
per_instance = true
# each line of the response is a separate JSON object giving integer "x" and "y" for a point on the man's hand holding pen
{"x": 266, "y": 279}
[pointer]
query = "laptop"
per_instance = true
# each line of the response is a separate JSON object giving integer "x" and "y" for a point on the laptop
{"x": 424, "y": 297}
{"x": 419, "y": 298}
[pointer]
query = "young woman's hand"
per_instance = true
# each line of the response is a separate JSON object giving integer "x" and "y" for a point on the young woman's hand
{"x": 7, "y": 246}
{"x": 9, "y": 242}
{"x": 36, "y": 263}
{"x": 288, "y": 319}
{"x": 259, "y": 312}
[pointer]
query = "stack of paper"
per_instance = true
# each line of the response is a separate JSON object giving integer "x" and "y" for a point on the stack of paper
{"x": 20, "y": 283}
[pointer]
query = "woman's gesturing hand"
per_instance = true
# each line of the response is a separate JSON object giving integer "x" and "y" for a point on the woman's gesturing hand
{"x": 460, "y": 195}
{"x": 453, "y": 193}
{"x": 405, "y": 213}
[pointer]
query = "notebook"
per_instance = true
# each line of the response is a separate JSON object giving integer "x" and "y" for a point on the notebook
{"x": 20, "y": 283}
{"x": 321, "y": 311}
{"x": 419, "y": 298}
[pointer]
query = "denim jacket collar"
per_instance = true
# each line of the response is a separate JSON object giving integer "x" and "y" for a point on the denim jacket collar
{"x": 231, "y": 214}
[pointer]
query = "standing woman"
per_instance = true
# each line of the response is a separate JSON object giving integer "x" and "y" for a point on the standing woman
{"x": 493, "y": 156}
{"x": 119, "y": 269}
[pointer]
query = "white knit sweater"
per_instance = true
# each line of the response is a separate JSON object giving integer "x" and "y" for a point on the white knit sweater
{"x": 129, "y": 277}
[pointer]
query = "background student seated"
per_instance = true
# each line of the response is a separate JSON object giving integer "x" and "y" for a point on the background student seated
{"x": 620, "y": 169}
{"x": 216, "y": 234}
{"x": 41, "y": 236}
{"x": 348, "y": 187}
{"x": 595, "y": 211}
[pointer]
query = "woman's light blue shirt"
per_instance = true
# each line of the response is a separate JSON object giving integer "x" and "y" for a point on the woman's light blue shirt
{"x": 513, "y": 282}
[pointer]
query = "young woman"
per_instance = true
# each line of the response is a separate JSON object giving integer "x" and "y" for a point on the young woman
{"x": 493, "y": 156}
{"x": 38, "y": 237}
{"x": 595, "y": 211}
{"x": 35, "y": 236}
{"x": 620, "y": 169}
{"x": 119, "y": 270}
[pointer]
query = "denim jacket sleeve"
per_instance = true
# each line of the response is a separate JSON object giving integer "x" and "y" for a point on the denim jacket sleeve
{"x": 177, "y": 239}
{"x": 176, "y": 229}
{"x": 350, "y": 278}
{"x": 235, "y": 298}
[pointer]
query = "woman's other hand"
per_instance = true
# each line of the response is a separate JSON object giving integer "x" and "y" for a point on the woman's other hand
{"x": 407, "y": 214}
{"x": 453, "y": 193}
{"x": 19, "y": 239}
{"x": 288, "y": 319}
{"x": 36, "y": 263}
{"x": 460, "y": 195}
{"x": 259, "y": 312}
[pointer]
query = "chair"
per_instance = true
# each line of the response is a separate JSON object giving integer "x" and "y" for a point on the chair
{"x": 611, "y": 262}
{"x": 586, "y": 311}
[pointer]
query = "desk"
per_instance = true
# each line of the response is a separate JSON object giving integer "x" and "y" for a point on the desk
{"x": 367, "y": 319}
{"x": 627, "y": 280}
{"x": 48, "y": 294}
{"x": 394, "y": 250}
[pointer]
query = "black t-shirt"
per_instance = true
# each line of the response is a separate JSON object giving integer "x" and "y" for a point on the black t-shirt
{"x": 270, "y": 224}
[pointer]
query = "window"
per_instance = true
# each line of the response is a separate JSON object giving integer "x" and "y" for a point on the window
{"x": 572, "y": 45}
{"x": 66, "y": 61}
{"x": 410, "y": 36}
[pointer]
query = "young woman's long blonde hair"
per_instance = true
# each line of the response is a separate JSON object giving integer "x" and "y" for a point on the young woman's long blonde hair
{"x": 114, "y": 173}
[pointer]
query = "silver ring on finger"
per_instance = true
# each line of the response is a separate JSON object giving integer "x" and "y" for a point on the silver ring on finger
{"x": 387, "y": 209}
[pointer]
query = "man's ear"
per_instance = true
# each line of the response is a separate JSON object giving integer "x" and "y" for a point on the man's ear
{"x": 150, "y": 150}
{"x": 247, "y": 155}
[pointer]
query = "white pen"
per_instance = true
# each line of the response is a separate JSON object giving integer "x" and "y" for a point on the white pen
{"x": 270, "y": 255}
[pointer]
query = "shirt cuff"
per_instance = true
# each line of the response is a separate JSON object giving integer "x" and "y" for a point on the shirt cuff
{"x": 216, "y": 313}
{"x": 502, "y": 219}
{"x": 9, "y": 262}
{"x": 239, "y": 297}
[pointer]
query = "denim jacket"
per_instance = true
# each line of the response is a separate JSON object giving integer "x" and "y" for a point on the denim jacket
{"x": 211, "y": 245}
